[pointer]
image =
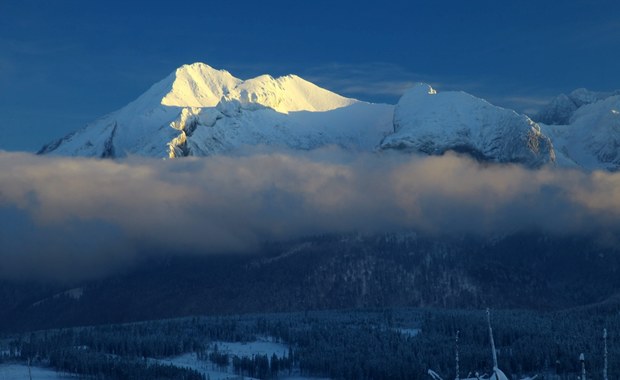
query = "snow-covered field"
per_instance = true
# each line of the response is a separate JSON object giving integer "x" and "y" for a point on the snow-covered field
{"x": 19, "y": 372}
{"x": 204, "y": 367}
{"x": 409, "y": 332}
{"x": 263, "y": 346}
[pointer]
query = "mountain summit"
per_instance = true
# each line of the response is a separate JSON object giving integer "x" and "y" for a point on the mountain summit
{"x": 430, "y": 122}
{"x": 199, "y": 111}
{"x": 196, "y": 85}
{"x": 199, "y": 85}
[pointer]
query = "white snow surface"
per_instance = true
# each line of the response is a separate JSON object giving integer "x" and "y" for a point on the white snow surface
{"x": 19, "y": 372}
{"x": 191, "y": 361}
{"x": 498, "y": 374}
{"x": 287, "y": 94}
{"x": 558, "y": 111}
{"x": 74, "y": 293}
{"x": 430, "y": 122}
{"x": 561, "y": 108}
{"x": 200, "y": 111}
{"x": 591, "y": 139}
{"x": 200, "y": 85}
{"x": 411, "y": 332}
{"x": 260, "y": 347}
{"x": 264, "y": 346}
{"x": 196, "y": 85}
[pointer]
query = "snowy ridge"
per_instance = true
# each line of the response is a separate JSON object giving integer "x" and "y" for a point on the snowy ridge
{"x": 287, "y": 94}
{"x": 561, "y": 108}
{"x": 585, "y": 129}
{"x": 591, "y": 139}
{"x": 199, "y": 111}
{"x": 229, "y": 126}
{"x": 430, "y": 122}
{"x": 198, "y": 85}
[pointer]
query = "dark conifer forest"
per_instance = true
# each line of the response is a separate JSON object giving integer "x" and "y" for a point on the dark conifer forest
{"x": 355, "y": 344}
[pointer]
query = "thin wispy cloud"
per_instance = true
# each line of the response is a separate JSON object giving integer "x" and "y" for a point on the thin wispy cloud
{"x": 529, "y": 105}
{"x": 388, "y": 81}
{"x": 365, "y": 79}
{"x": 528, "y": 100}
{"x": 75, "y": 218}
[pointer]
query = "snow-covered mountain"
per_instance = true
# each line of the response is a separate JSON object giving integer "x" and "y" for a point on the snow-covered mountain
{"x": 585, "y": 128}
{"x": 433, "y": 123}
{"x": 198, "y": 110}
{"x": 561, "y": 108}
{"x": 591, "y": 139}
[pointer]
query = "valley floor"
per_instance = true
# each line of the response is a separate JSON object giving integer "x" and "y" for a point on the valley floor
{"x": 21, "y": 372}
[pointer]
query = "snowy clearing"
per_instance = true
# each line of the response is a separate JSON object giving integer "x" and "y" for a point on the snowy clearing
{"x": 19, "y": 372}
{"x": 409, "y": 332}
{"x": 266, "y": 346}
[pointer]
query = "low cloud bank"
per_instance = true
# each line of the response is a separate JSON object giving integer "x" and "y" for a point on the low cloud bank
{"x": 67, "y": 218}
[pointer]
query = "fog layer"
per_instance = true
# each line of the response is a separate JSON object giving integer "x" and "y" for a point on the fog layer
{"x": 67, "y": 218}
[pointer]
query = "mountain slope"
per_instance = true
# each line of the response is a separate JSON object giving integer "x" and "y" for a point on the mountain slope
{"x": 433, "y": 123}
{"x": 585, "y": 129}
{"x": 198, "y": 110}
{"x": 287, "y": 94}
{"x": 230, "y": 127}
{"x": 591, "y": 139}
{"x": 196, "y": 85}
{"x": 561, "y": 108}
{"x": 524, "y": 270}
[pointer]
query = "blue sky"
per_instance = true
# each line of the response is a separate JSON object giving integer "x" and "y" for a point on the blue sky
{"x": 64, "y": 63}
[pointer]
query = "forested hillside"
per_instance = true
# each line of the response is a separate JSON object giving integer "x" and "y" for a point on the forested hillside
{"x": 372, "y": 344}
{"x": 531, "y": 271}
